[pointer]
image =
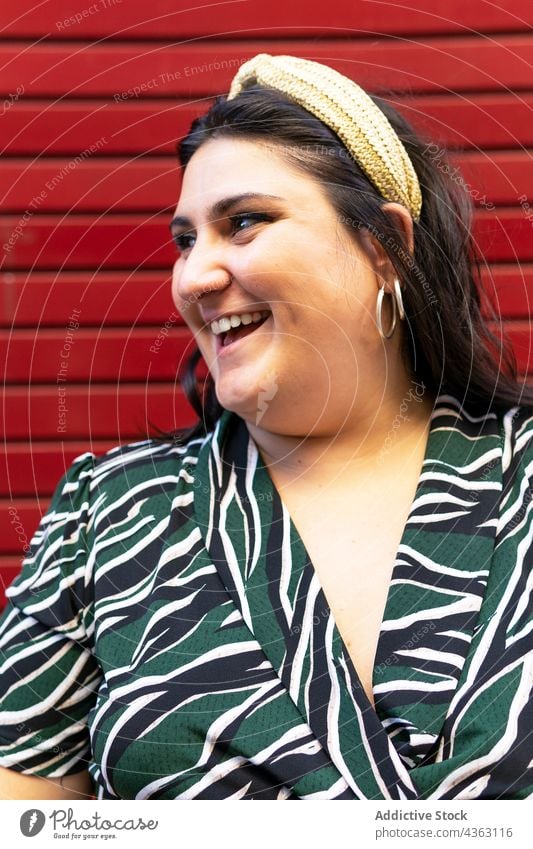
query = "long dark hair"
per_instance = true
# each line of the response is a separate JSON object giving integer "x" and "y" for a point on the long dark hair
{"x": 440, "y": 282}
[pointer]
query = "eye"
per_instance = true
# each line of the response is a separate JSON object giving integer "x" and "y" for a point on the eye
{"x": 239, "y": 223}
{"x": 243, "y": 217}
{"x": 182, "y": 240}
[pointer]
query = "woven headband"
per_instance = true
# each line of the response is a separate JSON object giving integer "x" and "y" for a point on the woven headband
{"x": 348, "y": 110}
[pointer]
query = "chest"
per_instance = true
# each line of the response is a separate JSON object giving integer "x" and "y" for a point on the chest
{"x": 353, "y": 549}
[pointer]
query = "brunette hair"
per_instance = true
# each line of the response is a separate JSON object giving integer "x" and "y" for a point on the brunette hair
{"x": 441, "y": 288}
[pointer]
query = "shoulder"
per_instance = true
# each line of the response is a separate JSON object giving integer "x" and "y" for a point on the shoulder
{"x": 144, "y": 476}
{"x": 124, "y": 478}
{"x": 128, "y": 466}
{"x": 116, "y": 498}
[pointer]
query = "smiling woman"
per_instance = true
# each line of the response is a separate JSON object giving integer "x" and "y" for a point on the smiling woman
{"x": 283, "y": 259}
{"x": 322, "y": 590}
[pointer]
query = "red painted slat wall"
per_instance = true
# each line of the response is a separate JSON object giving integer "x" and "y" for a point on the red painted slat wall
{"x": 92, "y": 103}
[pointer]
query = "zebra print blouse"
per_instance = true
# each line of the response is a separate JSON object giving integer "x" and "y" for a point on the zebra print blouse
{"x": 168, "y": 630}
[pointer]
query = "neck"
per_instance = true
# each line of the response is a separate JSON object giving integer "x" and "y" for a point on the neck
{"x": 382, "y": 436}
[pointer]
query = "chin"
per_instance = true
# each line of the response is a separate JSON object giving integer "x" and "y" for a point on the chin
{"x": 249, "y": 400}
{"x": 238, "y": 402}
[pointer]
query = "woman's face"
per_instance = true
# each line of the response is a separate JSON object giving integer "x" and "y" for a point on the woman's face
{"x": 261, "y": 241}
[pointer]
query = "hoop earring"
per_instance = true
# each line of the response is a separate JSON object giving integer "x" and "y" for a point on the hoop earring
{"x": 399, "y": 299}
{"x": 379, "y": 306}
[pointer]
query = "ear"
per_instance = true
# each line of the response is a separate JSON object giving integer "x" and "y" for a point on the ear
{"x": 374, "y": 245}
{"x": 403, "y": 221}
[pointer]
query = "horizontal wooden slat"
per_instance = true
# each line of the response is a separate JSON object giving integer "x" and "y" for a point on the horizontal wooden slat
{"x": 9, "y": 569}
{"x": 18, "y": 521}
{"x": 499, "y": 177}
{"x": 510, "y": 289}
{"x": 149, "y": 70}
{"x": 471, "y": 120}
{"x": 64, "y": 127}
{"x": 81, "y": 355}
{"x": 106, "y": 184}
{"x": 34, "y": 468}
{"x": 521, "y": 340}
{"x": 140, "y": 241}
{"x": 87, "y": 241}
{"x": 505, "y": 235}
{"x": 128, "y": 412}
{"x": 41, "y": 298}
{"x": 154, "y": 184}
{"x": 248, "y": 19}
{"x": 155, "y": 126}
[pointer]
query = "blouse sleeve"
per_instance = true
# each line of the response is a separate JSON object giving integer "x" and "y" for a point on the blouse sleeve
{"x": 48, "y": 673}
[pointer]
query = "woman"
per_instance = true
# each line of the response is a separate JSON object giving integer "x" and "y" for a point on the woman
{"x": 321, "y": 590}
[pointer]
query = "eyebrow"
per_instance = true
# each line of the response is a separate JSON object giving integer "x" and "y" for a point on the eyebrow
{"x": 222, "y": 206}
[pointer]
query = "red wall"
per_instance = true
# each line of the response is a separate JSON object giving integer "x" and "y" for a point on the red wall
{"x": 94, "y": 100}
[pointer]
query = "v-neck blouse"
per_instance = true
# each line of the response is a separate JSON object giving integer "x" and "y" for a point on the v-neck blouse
{"x": 168, "y": 630}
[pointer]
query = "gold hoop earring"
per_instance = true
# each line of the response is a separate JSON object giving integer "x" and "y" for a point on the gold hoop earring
{"x": 379, "y": 307}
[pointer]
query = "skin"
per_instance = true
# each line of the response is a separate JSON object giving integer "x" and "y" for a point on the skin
{"x": 333, "y": 385}
{"x": 14, "y": 785}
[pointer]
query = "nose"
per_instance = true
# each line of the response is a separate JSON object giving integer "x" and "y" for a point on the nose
{"x": 201, "y": 271}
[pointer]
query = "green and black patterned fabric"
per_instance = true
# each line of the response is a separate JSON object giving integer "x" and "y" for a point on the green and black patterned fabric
{"x": 168, "y": 630}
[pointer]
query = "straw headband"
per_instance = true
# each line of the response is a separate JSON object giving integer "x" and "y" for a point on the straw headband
{"x": 348, "y": 110}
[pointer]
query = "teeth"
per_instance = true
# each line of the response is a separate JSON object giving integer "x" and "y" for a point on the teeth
{"x": 227, "y": 322}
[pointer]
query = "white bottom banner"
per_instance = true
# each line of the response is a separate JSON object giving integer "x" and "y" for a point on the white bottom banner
{"x": 364, "y": 824}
